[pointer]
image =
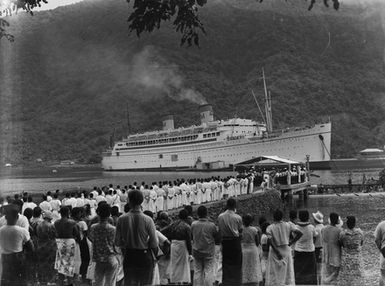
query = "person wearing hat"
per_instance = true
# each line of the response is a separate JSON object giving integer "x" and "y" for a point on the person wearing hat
{"x": 46, "y": 249}
{"x": 318, "y": 218}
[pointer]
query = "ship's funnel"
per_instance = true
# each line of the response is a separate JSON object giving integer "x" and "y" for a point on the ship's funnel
{"x": 207, "y": 114}
{"x": 168, "y": 122}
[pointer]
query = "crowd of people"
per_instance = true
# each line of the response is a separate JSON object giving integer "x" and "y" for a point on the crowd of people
{"x": 127, "y": 242}
{"x": 161, "y": 196}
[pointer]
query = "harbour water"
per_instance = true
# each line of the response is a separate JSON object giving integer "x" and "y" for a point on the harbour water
{"x": 68, "y": 178}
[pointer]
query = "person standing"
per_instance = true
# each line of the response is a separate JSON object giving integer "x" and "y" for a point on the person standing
{"x": 146, "y": 198}
{"x": 55, "y": 204}
{"x": 153, "y": 197}
{"x": 305, "y": 266}
{"x": 160, "y": 196}
{"x": 67, "y": 233}
{"x": 29, "y": 204}
{"x": 136, "y": 235}
{"x": 46, "y": 249}
{"x": 351, "y": 240}
{"x": 251, "y": 261}
{"x": 230, "y": 227}
{"x": 318, "y": 221}
{"x": 170, "y": 197}
{"x": 12, "y": 240}
{"x": 379, "y": 235}
{"x": 332, "y": 250}
{"x": 163, "y": 250}
{"x": 22, "y": 221}
{"x": 179, "y": 233}
{"x": 205, "y": 234}
{"x": 100, "y": 197}
{"x": 265, "y": 249}
{"x": 280, "y": 270}
{"x": 102, "y": 236}
{"x": 82, "y": 248}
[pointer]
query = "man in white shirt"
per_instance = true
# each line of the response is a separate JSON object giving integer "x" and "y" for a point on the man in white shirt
{"x": 94, "y": 192}
{"x": 72, "y": 201}
{"x": 55, "y": 203}
{"x": 29, "y": 204}
{"x": 22, "y": 221}
{"x": 99, "y": 198}
{"x": 118, "y": 190}
{"x": 109, "y": 198}
{"x": 80, "y": 200}
{"x": 12, "y": 240}
{"x": 45, "y": 205}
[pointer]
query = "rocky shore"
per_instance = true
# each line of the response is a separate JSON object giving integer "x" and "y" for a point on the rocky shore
{"x": 257, "y": 204}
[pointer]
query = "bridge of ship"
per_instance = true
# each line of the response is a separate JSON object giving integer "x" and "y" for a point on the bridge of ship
{"x": 269, "y": 164}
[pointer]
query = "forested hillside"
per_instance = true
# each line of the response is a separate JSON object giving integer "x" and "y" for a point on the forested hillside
{"x": 66, "y": 80}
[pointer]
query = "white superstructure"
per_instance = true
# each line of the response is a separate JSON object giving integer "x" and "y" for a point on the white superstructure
{"x": 216, "y": 144}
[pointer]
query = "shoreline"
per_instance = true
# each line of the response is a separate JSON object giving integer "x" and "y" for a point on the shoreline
{"x": 347, "y": 195}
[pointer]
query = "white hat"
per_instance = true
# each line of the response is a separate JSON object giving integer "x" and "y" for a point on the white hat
{"x": 48, "y": 215}
{"x": 318, "y": 216}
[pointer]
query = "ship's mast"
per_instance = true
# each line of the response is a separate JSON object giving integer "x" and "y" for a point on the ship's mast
{"x": 270, "y": 112}
{"x": 259, "y": 108}
{"x": 269, "y": 119}
{"x": 112, "y": 138}
{"x": 128, "y": 121}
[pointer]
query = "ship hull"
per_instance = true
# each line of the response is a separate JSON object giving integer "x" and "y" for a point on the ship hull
{"x": 212, "y": 154}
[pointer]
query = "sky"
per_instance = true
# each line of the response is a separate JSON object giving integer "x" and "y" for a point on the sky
{"x": 52, "y": 4}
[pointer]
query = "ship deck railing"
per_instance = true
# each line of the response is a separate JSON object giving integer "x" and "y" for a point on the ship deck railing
{"x": 169, "y": 133}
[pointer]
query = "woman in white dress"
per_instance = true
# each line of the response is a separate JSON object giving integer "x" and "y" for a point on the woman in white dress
{"x": 251, "y": 261}
{"x": 280, "y": 266}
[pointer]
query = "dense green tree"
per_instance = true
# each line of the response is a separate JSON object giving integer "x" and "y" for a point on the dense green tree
{"x": 146, "y": 16}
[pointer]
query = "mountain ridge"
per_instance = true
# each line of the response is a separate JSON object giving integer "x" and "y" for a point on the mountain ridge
{"x": 68, "y": 76}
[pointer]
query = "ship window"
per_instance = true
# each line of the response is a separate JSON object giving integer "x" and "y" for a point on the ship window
{"x": 160, "y": 156}
{"x": 218, "y": 133}
{"x": 204, "y": 136}
{"x": 174, "y": 157}
{"x": 117, "y": 153}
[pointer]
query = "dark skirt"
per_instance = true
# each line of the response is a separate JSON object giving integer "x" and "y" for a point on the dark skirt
{"x": 318, "y": 254}
{"x": 231, "y": 262}
{"x": 85, "y": 256}
{"x": 14, "y": 271}
{"x": 46, "y": 254}
{"x": 138, "y": 266}
{"x": 305, "y": 268}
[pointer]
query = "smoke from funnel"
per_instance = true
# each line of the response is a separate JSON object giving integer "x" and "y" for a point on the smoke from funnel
{"x": 151, "y": 71}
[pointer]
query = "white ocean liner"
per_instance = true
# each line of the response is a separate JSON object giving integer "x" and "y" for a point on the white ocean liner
{"x": 216, "y": 144}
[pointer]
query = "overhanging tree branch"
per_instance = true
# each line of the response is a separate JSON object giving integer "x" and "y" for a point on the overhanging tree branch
{"x": 149, "y": 14}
